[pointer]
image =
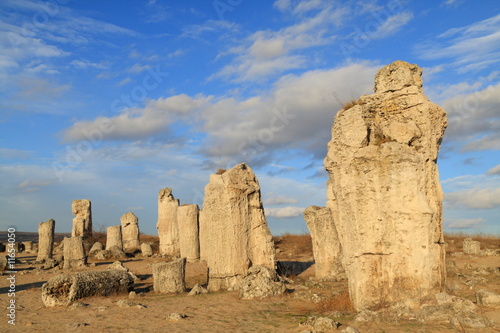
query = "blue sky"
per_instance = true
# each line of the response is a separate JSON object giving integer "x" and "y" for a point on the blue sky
{"x": 114, "y": 100}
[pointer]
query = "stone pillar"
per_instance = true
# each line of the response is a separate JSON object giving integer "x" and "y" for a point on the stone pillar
{"x": 233, "y": 229}
{"x": 189, "y": 242}
{"x": 130, "y": 232}
{"x": 471, "y": 247}
{"x": 168, "y": 231}
{"x": 82, "y": 223}
{"x": 325, "y": 241}
{"x": 384, "y": 190}
{"x": 74, "y": 253}
{"x": 45, "y": 239}
{"x": 169, "y": 277}
{"x": 114, "y": 237}
{"x": 28, "y": 246}
{"x": 146, "y": 250}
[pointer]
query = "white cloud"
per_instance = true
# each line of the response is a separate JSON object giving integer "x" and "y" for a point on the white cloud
{"x": 124, "y": 81}
{"x": 266, "y": 52}
{"x": 478, "y": 43}
{"x": 211, "y": 26}
{"x": 494, "y": 171}
{"x": 474, "y": 198}
{"x": 85, "y": 64}
{"x": 392, "y": 25}
{"x": 297, "y": 113}
{"x": 137, "y": 68}
{"x": 463, "y": 223}
{"x": 473, "y": 118}
{"x": 284, "y": 212}
{"x": 279, "y": 200}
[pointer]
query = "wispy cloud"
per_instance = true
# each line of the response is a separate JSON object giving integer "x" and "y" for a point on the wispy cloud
{"x": 474, "y": 198}
{"x": 285, "y": 212}
{"x": 279, "y": 200}
{"x": 471, "y": 47}
{"x": 463, "y": 223}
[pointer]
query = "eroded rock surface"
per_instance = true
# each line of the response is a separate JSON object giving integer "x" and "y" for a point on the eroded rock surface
{"x": 189, "y": 242}
{"x": 325, "y": 241}
{"x": 168, "y": 231}
{"x": 233, "y": 229}
{"x": 130, "y": 232}
{"x": 384, "y": 190}
{"x": 82, "y": 223}
{"x": 45, "y": 240}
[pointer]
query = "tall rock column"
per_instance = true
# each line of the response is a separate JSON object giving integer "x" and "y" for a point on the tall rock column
{"x": 114, "y": 237}
{"x": 82, "y": 223}
{"x": 325, "y": 241}
{"x": 187, "y": 221}
{"x": 45, "y": 239}
{"x": 168, "y": 231}
{"x": 130, "y": 232}
{"x": 233, "y": 230}
{"x": 384, "y": 190}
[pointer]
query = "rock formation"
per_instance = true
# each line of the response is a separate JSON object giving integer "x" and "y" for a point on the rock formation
{"x": 261, "y": 282}
{"x": 384, "y": 190}
{"x": 169, "y": 277}
{"x": 96, "y": 247}
{"x": 187, "y": 222}
{"x": 471, "y": 246}
{"x": 45, "y": 240}
{"x": 74, "y": 253}
{"x": 130, "y": 232}
{"x": 233, "y": 230}
{"x": 325, "y": 241}
{"x": 114, "y": 237}
{"x": 82, "y": 223}
{"x": 168, "y": 231}
{"x": 64, "y": 289}
{"x": 146, "y": 249}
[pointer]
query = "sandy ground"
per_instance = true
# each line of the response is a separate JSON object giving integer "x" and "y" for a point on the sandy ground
{"x": 224, "y": 312}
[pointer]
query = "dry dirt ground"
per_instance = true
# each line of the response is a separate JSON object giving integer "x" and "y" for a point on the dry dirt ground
{"x": 225, "y": 312}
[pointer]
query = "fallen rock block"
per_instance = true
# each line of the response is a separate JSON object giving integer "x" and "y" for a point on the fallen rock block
{"x": 261, "y": 282}
{"x": 197, "y": 290}
{"x": 64, "y": 289}
{"x": 487, "y": 298}
{"x": 168, "y": 277}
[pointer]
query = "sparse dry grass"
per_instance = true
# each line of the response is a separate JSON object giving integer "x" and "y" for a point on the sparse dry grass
{"x": 294, "y": 245}
{"x": 351, "y": 103}
{"x": 340, "y": 303}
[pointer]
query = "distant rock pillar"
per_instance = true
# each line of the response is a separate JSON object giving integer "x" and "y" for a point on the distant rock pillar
{"x": 168, "y": 231}
{"x": 45, "y": 239}
{"x": 325, "y": 241}
{"x": 233, "y": 229}
{"x": 114, "y": 237}
{"x": 187, "y": 221}
{"x": 74, "y": 253}
{"x": 130, "y": 232}
{"x": 82, "y": 223}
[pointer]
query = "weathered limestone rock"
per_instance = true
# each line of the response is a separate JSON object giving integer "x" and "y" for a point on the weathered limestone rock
{"x": 146, "y": 249}
{"x": 169, "y": 277}
{"x": 261, "y": 282}
{"x": 325, "y": 240}
{"x": 116, "y": 252}
{"x": 96, "y": 247}
{"x": 384, "y": 190}
{"x": 64, "y": 289}
{"x": 187, "y": 222}
{"x": 130, "y": 232}
{"x": 471, "y": 246}
{"x": 233, "y": 230}
{"x": 114, "y": 237}
{"x": 168, "y": 231}
{"x": 197, "y": 290}
{"x": 487, "y": 298}
{"x": 45, "y": 239}
{"x": 74, "y": 253}
{"x": 82, "y": 223}
{"x": 3, "y": 264}
{"x": 28, "y": 246}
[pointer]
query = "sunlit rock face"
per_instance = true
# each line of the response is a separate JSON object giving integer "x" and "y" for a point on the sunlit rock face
{"x": 384, "y": 190}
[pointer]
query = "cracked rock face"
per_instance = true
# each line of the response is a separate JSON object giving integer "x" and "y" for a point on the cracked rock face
{"x": 384, "y": 190}
{"x": 130, "y": 231}
{"x": 233, "y": 229}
